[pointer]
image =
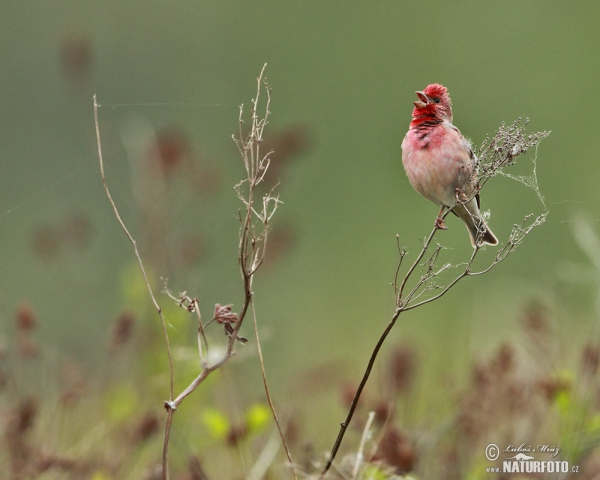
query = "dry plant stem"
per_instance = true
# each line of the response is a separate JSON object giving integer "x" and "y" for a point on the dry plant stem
{"x": 229, "y": 352}
{"x": 416, "y": 262}
{"x": 193, "y": 305}
{"x": 402, "y": 305}
{"x": 361, "y": 447}
{"x": 405, "y": 303}
{"x": 494, "y": 155}
{"x": 156, "y": 305}
{"x": 268, "y": 394}
{"x": 251, "y": 252}
{"x": 344, "y": 425}
{"x": 252, "y": 246}
{"x": 260, "y": 469}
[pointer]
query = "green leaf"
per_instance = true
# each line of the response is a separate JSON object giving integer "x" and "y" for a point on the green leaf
{"x": 216, "y": 422}
{"x": 257, "y": 417}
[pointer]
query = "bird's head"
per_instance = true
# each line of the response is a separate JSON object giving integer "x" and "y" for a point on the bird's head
{"x": 434, "y": 101}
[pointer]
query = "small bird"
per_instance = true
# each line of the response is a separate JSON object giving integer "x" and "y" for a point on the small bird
{"x": 440, "y": 163}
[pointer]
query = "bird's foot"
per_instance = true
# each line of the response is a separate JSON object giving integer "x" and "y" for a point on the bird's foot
{"x": 440, "y": 224}
{"x": 460, "y": 196}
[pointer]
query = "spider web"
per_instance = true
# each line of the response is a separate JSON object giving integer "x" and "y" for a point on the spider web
{"x": 531, "y": 180}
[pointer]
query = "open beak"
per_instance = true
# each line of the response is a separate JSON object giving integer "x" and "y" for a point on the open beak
{"x": 422, "y": 101}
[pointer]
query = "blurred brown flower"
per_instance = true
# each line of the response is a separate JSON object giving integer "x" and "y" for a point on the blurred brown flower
{"x": 590, "y": 358}
{"x": 147, "y": 426}
{"x": 396, "y": 450}
{"x": 76, "y": 55}
{"x": 172, "y": 146}
{"x": 20, "y": 450}
{"x": 26, "y": 317}
{"x": 26, "y": 321}
{"x": 122, "y": 329}
{"x": 401, "y": 369}
{"x": 46, "y": 242}
{"x": 285, "y": 145}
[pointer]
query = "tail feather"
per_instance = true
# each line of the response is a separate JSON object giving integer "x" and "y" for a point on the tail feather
{"x": 479, "y": 232}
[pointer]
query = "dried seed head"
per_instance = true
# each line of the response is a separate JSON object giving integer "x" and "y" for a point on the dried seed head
{"x": 223, "y": 314}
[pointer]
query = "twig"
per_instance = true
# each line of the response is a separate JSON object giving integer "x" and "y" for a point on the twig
{"x": 265, "y": 459}
{"x": 361, "y": 446}
{"x": 254, "y": 227}
{"x": 508, "y": 143}
{"x": 156, "y": 305}
{"x": 192, "y": 305}
{"x": 401, "y": 303}
{"x": 268, "y": 394}
{"x": 416, "y": 262}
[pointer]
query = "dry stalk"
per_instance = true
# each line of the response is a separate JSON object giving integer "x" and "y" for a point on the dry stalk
{"x": 493, "y": 157}
{"x": 254, "y": 229}
{"x": 155, "y": 303}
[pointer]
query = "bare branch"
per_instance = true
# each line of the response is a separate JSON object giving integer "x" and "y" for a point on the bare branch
{"x": 156, "y": 305}
{"x": 253, "y": 236}
{"x": 255, "y": 221}
{"x": 495, "y": 155}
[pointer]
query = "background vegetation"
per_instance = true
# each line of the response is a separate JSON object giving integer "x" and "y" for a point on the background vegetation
{"x": 169, "y": 78}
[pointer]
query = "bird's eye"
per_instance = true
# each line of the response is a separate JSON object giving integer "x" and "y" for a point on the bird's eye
{"x": 436, "y": 100}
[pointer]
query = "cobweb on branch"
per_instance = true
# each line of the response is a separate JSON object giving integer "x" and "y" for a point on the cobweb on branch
{"x": 501, "y": 151}
{"x": 531, "y": 180}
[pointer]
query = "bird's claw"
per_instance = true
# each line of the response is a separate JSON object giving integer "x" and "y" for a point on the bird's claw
{"x": 460, "y": 196}
{"x": 440, "y": 224}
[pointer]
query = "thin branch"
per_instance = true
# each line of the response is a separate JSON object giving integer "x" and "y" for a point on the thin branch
{"x": 361, "y": 446}
{"x": 259, "y": 469}
{"x": 254, "y": 226}
{"x": 494, "y": 155}
{"x": 401, "y": 254}
{"x": 418, "y": 259}
{"x": 344, "y": 425}
{"x": 141, "y": 264}
{"x": 462, "y": 275}
{"x": 268, "y": 394}
{"x": 192, "y": 305}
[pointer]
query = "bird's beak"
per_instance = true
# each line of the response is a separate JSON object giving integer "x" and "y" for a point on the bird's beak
{"x": 422, "y": 101}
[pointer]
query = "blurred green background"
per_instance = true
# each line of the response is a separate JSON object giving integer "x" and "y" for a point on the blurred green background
{"x": 343, "y": 77}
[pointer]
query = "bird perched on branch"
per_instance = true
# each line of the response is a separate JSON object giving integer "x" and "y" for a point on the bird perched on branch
{"x": 441, "y": 165}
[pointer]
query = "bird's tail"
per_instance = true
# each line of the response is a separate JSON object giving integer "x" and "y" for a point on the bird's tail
{"x": 478, "y": 230}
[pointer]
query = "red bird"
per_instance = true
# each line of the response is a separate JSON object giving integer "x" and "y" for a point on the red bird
{"x": 440, "y": 163}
